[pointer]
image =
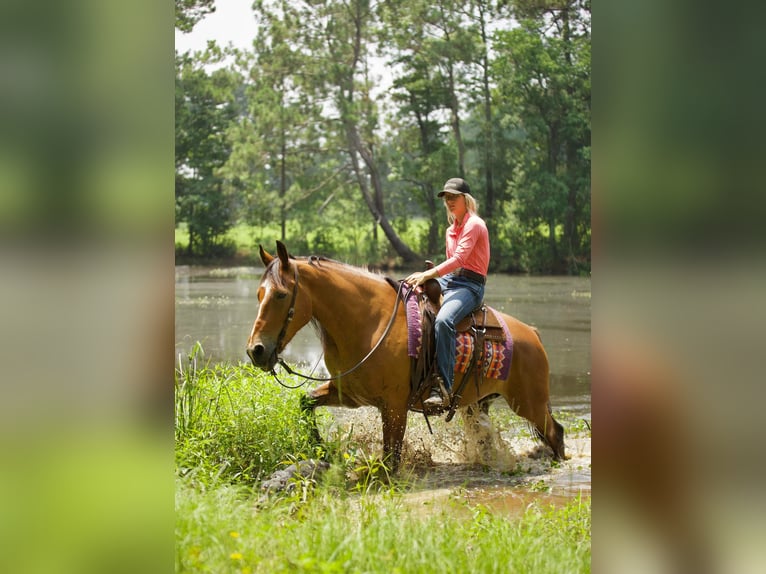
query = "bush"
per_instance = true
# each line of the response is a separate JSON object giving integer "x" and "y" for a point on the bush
{"x": 233, "y": 423}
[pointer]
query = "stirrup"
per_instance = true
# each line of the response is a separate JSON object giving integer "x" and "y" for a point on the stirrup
{"x": 437, "y": 386}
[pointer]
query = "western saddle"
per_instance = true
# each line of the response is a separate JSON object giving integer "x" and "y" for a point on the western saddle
{"x": 480, "y": 324}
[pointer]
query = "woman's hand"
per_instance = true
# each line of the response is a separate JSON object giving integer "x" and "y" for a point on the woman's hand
{"x": 419, "y": 278}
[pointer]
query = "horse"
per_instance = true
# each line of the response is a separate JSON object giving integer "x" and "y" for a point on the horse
{"x": 365, "y": 347}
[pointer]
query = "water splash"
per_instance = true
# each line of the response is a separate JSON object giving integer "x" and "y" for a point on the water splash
{"x": 471, "y": 439}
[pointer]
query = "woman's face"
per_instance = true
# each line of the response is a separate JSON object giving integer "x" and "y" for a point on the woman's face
{"x": 455, "y": 204}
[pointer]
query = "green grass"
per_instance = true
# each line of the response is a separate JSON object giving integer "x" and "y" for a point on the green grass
{"x": 233, "y": 423}
{"x": 222, "y": 530}
{"x": 233, "y": 428}
{"x": 352, "y": 244}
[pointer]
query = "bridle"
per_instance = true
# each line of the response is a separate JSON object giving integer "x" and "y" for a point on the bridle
{"x": 289, "y": 318}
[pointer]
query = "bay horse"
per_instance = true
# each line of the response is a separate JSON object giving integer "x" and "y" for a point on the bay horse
{"x": 353, "y": 309}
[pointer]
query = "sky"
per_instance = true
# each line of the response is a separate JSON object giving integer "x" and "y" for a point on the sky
{"x": 232, "y": 21}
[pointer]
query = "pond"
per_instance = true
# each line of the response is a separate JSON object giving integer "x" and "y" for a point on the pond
{"x": 217, "y": 307}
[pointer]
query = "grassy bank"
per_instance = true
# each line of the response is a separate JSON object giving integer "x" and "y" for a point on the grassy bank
{"x": 235, "y": 426}
{"x": 355, "y": 245}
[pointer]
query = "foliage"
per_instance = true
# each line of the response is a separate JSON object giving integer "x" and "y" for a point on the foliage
{"x": 189, "y": 12}
{"x": 233, "y": 424}
{"x": 232, "y": 428}
{"x": 204, "y": 110}
{"x": 351, "y": 115}
{"x": 545, "y": 86}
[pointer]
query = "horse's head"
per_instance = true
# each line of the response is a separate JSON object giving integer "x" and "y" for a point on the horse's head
{"x": 282, "y": 312}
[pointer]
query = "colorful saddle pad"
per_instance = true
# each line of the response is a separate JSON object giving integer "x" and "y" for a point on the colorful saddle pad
{"x": 497, "y": 354}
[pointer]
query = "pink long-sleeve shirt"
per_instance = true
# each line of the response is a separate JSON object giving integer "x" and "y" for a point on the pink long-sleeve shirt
{"x": 467, "y": 246}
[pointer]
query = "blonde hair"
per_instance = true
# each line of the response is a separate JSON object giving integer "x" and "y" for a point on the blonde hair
{"x": 470, "y": 204}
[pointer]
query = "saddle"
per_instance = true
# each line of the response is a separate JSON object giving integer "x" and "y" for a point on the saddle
{"x": 480, "y": 324}
{"x": 478, "y": 319}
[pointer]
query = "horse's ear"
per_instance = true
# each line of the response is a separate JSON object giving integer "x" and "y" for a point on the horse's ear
{"x": 265, "y": 257}
{"x": 284, "y": 257}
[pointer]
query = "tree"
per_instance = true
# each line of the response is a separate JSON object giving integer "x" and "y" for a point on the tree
{"x": 543, "y": 71}
{"x": 297, "y": 131}
{"x": 204, "y": 108}
{"x": 338, "y": 36}
{"x": 276, "y": 155}
{"x": 433, "y": 47}
{"x": 189, "y": 12}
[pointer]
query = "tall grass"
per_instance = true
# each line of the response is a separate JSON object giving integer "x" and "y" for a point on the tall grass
{"x": 233, "y": 423}
{"x": 234, "y": 426}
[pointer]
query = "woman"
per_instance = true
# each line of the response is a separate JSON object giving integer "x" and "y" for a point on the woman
{"x": 462, "y": 277}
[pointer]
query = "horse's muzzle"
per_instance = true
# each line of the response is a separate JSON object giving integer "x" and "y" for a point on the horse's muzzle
{"x": 261, "y": 357}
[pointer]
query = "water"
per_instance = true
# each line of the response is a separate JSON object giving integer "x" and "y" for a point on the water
{"x": 217, "y": 307}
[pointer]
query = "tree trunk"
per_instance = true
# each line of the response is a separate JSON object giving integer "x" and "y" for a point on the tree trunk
{"x": 453, "y": 103}
{"x": 283, "y": 189}
{"x": 357, "y": 150}
{"x": 489, "y": 210}
{"x": 455, "y": 122}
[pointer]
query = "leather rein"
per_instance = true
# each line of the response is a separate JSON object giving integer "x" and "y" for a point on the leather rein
{"x": 288, "y": 320}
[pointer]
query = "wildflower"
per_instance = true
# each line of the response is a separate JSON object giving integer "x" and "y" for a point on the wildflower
{"x": 235, "y": 556}
{"x": 234, "y": 534}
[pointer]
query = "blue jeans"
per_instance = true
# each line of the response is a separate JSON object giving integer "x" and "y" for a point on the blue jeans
{"x": 461, "y": 296}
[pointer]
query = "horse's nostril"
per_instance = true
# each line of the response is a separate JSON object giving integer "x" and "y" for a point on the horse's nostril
{"x": 256, "y": 352}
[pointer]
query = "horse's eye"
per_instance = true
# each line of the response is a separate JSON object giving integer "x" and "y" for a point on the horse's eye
{"x": 281, "y": 295}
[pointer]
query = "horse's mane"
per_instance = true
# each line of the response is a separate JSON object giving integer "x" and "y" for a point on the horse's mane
{"x": 320, "y": 261}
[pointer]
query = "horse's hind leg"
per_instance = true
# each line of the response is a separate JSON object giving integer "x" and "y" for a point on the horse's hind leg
{"x": 546, "y": 428}
{"x": 551, "y": 433}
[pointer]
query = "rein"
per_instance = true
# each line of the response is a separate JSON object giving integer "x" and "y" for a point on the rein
{"x": 307, "y": 378}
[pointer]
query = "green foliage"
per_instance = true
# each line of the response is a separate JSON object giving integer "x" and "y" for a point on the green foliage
{"x": 204, "y": 110}
{"x": 234, "y": 424}
{"x": 189, "y": 12}
{"x": 544, "y": 91}
{"x": 344, "y": 120}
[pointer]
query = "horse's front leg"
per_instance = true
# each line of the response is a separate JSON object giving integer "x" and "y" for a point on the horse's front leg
{"x": 394, "y": 424}
{"x": 323, "y": 395}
